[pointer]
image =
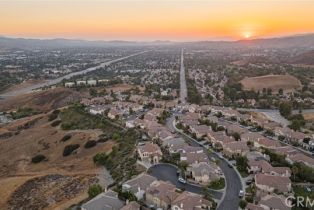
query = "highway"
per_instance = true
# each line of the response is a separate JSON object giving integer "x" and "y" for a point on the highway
{"x": 183, "y": 89}
{"x": 68, "y": 76}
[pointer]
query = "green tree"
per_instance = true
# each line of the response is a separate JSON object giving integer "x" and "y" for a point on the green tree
{"x": 296, "y": 125}
{"x": 94, "y": 190}
{"x": 285, "y": 109}
{"x": 242, "y": 204}
{"x": 242, "y": 163}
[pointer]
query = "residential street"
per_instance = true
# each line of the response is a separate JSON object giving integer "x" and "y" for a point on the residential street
{"x": 231, "y": 198}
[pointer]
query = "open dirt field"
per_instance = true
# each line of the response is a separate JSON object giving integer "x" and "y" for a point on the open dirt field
{"x": 286, "y": 82}
{"x": 52, "y": 179}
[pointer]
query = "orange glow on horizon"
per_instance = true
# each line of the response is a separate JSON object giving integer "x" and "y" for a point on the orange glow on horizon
{"x": 155, "y": 19}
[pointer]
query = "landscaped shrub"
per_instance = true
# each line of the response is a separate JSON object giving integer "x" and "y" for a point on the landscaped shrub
{"x": 70, "y": 148}
{"x": 94, "y": 190}
{"x": 217, "y": 184}
{"x": 66, "y": 137}
{"x": 90, "y": 144}
{"x": 38, "y": 158}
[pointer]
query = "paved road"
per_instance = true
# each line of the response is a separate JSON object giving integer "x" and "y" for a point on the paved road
{"x": 231, "y": 198}
{"x": 183, "y": 89}
{"x": 68, "y": 76}
{"x": 167, "y": 172}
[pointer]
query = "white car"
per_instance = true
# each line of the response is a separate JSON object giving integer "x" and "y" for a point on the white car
{"x": 241, "y": 193}
{"x": 183, "y": 181}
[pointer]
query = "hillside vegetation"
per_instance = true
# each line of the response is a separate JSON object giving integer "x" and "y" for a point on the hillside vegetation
{"x": 32, "y": 156}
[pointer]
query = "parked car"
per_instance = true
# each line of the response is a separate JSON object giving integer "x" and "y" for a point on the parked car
{"x": 183, "y": 181}
{"x": 241, "y": 194}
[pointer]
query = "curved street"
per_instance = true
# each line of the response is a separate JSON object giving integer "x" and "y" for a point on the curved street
{"x": 167, "y": 172}
{"x": 230, "y": 199}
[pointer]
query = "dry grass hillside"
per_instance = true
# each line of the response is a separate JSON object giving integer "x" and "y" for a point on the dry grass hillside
{"x": 54, "y": 182}
{"x": 42, "y": 101}
{"x": 286, "y": 82}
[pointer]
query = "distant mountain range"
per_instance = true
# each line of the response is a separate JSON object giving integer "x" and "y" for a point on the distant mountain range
{"x": 306, "y": 41}
{"x": 296, "y": 41}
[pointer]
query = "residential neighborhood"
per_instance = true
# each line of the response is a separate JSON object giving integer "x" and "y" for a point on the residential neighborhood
{"x": 158, "y": 126}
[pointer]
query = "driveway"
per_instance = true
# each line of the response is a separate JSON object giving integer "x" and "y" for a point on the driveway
{"x": 167, "y": 172}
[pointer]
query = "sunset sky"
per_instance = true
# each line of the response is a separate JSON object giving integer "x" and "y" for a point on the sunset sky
{"x": 155, "y": 19}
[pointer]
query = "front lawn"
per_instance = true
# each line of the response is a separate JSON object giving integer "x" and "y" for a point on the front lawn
{"x": 217, "y": 184}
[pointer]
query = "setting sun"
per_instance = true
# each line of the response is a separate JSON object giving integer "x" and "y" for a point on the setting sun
{"x": 247, "y": 35}
{"x": 132, "y": 20}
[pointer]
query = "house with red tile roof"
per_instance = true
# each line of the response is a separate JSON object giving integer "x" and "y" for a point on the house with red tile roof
{"x": 149, "y": 152}
{"x": 266, "y": 143}
{"x": 262, "y": 166}
{"x": 138, "y": 185}
{"x": 161, "y": 194}
{"x": 200, "y": 130}
{"x": 235, "y": 148}
{"x": 271, "y": 184}
{"x": 274, "y": 202}
{"x": 192, "y": 158}
{"x": 301, "y": 158}
{"x": 251, "y": 136}
{"x": 204, "y": 172}
{"x": 251, "y": 206}
{"x": 190, "y": 201}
